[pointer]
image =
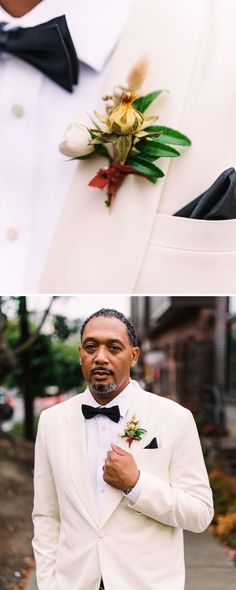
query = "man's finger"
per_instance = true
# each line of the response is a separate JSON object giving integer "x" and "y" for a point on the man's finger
{"x": 117, "y": 449}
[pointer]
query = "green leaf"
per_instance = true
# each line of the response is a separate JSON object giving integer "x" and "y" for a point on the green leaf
{"x": 144, "y": 133}
{"x": 143, "y": 102}
{"x": 146, "y": 156}
{"x": 145, "y": 167}
{"x": 116, "y": 128}
{"x": 156, "y": 148}
{"x": 82, "y": 157}
{"x": 141, "y": 431}
{"x": 96, "y": 141}
{"x": 109, "y": 137}
{"x": 94, "y": 132}
{"x": 169, "y": 135}
{"x": 152, "y": 169}
{"x": 105, "y": 138}
{"x": 123, "y": 145}
{"x": 102, "y": 151}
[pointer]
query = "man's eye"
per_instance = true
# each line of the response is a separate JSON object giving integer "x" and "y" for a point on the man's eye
{"x": 90, "y": 347}
{"x": 114, "y": 348}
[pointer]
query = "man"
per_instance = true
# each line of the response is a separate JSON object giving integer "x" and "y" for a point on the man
{"x": 190, "y": 45}
{"x": 111, "y": 506}
{"x": 35, "y": 180}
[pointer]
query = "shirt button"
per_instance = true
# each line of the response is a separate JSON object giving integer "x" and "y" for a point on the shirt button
{"x": 17, "y": 110}
{"x": 12, "y": 234}
{"x": 104, "y": 428}
{"x": 101, "y": 535}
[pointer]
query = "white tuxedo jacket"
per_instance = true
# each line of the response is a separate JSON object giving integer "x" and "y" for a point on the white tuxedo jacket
{"x": 133, "y": 546}
{"x": 140, "y": 247}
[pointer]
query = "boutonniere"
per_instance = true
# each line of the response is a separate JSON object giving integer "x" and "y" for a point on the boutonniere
{"x": 132, "y": 431}
{"x": 125, "y": 136}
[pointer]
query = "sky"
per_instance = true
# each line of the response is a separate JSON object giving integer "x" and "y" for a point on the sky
{"x": 80, "y": 306}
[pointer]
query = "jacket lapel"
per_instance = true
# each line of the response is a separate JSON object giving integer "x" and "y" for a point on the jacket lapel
{"x": 87, "y": 236}
{"x": 78, "y": 462}
{"x": 139, "y": 408}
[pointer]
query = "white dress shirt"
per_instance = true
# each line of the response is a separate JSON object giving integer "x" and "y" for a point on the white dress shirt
{"x": 34, "y": 113}
{"x": 100, "y": 433}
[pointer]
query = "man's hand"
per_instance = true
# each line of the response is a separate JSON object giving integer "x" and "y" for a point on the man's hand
{"x": 120, "y": 470}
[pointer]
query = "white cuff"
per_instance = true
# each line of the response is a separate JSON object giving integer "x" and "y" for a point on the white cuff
{"x": 136, "y": 491}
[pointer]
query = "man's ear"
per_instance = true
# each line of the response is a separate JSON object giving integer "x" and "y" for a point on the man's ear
{"x": 79, "y": 349}
{"x": 135, "y": 355}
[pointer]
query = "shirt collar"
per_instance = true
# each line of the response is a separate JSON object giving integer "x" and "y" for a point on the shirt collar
{"x": 122, "y": 400}
{"x": 95, "y": 27}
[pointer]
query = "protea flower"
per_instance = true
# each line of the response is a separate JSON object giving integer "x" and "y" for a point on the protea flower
{"x": 124, "y": 119}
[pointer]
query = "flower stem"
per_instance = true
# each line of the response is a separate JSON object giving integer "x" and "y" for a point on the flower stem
{"x": 108, "y": 202}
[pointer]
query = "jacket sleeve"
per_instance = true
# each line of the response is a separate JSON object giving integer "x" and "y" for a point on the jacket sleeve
{"x": 46, "y": 516}
{"x": 185, "y": 501}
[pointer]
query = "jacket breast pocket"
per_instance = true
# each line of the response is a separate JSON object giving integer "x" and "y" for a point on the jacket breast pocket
{"x": 189, "y": 256}
{"x": 156, "y": 461}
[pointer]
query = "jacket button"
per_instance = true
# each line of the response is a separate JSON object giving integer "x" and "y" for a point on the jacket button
{"x": 12, "y": 234}
{"x": 17, "y": 110}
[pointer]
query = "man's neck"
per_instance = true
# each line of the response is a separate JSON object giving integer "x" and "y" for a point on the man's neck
{"x": 19, "y": 8}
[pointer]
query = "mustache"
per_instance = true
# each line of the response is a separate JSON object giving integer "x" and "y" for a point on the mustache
{"x": 102, "y": 370}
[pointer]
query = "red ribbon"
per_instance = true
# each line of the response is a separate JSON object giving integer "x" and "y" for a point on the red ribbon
{"x": 112, "y": 177}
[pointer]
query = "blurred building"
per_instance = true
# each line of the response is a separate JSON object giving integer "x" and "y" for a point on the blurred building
{"x": 188, "y": 349}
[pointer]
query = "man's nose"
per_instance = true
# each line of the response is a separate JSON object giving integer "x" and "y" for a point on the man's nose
{"x": 101, "y": 356}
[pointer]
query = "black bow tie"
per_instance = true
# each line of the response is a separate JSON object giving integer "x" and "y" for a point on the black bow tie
{"x": 112, "y": 413}
{"x": 48, "y": 47}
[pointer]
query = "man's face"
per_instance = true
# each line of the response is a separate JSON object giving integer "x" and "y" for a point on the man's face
{"x": 106, "y": 357}
{"x": 19, "y": 8}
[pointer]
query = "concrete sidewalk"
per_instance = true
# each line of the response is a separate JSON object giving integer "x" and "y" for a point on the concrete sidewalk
{"x": 207, "y": 566}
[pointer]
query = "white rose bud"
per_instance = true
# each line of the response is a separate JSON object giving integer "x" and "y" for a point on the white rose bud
{"x": 109, "y": 105}
{"x": 124, "y": 86}
{"x": 76, "y": 141}
{"x": 117, "y": 92}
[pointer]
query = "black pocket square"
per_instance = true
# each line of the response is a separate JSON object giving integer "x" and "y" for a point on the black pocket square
{"x": 218, "y": 202}
{"x": 153, "y": 444}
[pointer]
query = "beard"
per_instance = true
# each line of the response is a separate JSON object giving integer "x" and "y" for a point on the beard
{"x": 103, "y": 389}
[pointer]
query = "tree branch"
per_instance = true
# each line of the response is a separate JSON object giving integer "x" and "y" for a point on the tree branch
{"x": 34, "y": 336}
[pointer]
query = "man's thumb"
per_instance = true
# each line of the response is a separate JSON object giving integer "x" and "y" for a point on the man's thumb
{"x": 117, "y": 449}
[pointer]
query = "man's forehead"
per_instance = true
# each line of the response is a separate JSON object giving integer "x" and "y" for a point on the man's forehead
{"x": 111, "y": 327}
